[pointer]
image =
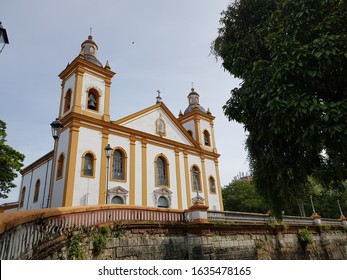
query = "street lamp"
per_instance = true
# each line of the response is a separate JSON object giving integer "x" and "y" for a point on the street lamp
{"x": 56, "y": 128}
{"x": 3, "y": 37}
{"x": 108, "y": 152}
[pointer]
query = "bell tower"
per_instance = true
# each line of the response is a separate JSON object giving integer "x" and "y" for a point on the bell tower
{"x": 85, "y": 87}
{"x": 199, "y": 122}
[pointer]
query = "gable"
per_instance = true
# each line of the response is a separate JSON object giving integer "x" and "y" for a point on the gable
{"x": 158, "y": 120}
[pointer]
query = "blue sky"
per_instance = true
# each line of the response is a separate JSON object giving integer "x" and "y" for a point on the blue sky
{"x": 171, "y": 50}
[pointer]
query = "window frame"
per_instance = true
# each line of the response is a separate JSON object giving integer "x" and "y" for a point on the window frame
{"x": 84, "y": 162}
{"x": 60, "y": 167}
{"x": 198, "y": 178}
{"x": 158, "y": 183}
{"x": 37, "y": 191}
{"x": 124, "y": 163}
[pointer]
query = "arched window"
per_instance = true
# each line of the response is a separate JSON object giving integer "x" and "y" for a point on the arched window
{"x": 67, "y": 101}
{"x": 22, "y": 197}
{"x": 93, "y": 99}
{"x": 88, "y": 164}
{"x": 117, "y": 200}
{"x": 163, "y": 202}
{"x": 37, "y": 190}
{"x": 162, "y": 171}
{"x": 212, "y": 185}
{"x": 118, "y": 165}
{"x": 196, "y": 185}
{"x": 207, "y": 140}
{"x": 60, "y": 167}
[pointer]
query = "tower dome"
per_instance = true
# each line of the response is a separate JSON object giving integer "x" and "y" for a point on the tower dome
{"x": 89, "y": 49}
{"x": 193, "y": 103}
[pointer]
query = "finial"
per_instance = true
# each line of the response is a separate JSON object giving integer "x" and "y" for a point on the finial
{"x": 180, "y": 113}
{"x": 90, "y": 31}
{"x": 192, "y": 89}
{"x": 208, "y": 111}
{"x": 159, "y": 99}
{"x": 107, "y": 66}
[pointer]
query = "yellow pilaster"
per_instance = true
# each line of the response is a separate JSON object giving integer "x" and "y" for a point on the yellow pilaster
{"x": 132, "y": 170}
{"x": 204, "y": 181}
{"x": 219, "y": 188}
{"x": 213, "y": 138}
{"x": 71, "y": 166}
{"x": 197, "y": 129}
{"x": 187, "y": 176}
{"x": 178, "y": 179}
{"x": 107, "y": 100}
{"x": 144, "y": 172}
{"x": 103, "y": 169}
{"x": 78, "y": 91}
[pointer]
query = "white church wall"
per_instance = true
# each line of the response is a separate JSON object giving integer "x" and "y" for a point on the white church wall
{"x": 59, "y": 185}
{"x": 43, "y": 174}
{"x": 138, "y": 173}
{"x": 212, "y": 197}
{"x": 86, "y": 189}
{"x": 190, "y": 126}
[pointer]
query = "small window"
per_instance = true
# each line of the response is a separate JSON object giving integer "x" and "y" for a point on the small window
{"x": 196, "y": 179}
{"x": 163, "y": 202}
{"x": 207, "y": 141}
{"x": 67, "y": 101}
{"x": 118, "y": 166}
{"x": 212, "y": 185}
{"x": 22, "y": 197}
{"x": 37, "y": 190}
{"x": 93, "y": 100}
{"x": 117, "y": 200}
{"x": 88, "y": 164}
{"x": 60, "y": 167}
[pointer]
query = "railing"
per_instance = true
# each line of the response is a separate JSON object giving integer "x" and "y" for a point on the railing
{"x": 244, "y": 217}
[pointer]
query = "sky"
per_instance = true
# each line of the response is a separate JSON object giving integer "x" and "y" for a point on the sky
{"x": 151, "y": 45}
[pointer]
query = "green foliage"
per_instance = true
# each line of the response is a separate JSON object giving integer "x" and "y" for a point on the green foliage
{"x": 305, "y": 237}
{"x": 100, "y": 239}
{"x": 241, "y": 195}
{"x": 74, "y": 246}
{"x": 11, "y": 162}
{"x": 292, "y": 58}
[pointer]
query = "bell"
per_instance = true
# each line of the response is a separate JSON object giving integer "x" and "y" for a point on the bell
{"x": 91, "y": 102}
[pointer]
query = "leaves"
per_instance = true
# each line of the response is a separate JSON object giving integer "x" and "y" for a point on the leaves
{"x": 291, "y": 56}
{"x": 11, "y": 162}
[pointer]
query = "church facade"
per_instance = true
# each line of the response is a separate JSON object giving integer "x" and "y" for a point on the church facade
{"x": 155, "y": 159}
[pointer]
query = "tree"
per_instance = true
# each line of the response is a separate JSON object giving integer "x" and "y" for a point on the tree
{"x": 11, "y": 162}
{"x": 241, "y": 195}
{"x": 292, "y": 59}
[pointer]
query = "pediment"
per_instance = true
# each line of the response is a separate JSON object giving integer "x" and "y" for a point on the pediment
{"x": 118, "y": 190}
{"x": 159, "y": 121}
{"x": 163, "y": 192}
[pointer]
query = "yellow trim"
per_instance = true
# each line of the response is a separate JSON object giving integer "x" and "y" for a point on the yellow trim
{"x": 219, "y": 186}
{"x": 144, "y": 172}
{"x": 213, "y": 138}
{"x": 178, "y": 179}
{"x": 125, "y": 165}
{"x": 106, "y": 115}
{"x": 71, "y": 166}
{"x": 83, "y": 162}
{"x": 67, "y": 97}
{"x": 187, "y": 173}
{"x": 78, "y": 91}
{"x": 167, "y": 169}
{"x": 197, "y": 130}
{"x": 103, "y": 166}
{"x": 132, "y": 170}
{"x": 204, "y": 180}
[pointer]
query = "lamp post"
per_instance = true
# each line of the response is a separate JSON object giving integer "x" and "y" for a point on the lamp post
{"x": 3, "y": 37}
{"x": 108, "y": 152}
{"x": 56, "y": 128}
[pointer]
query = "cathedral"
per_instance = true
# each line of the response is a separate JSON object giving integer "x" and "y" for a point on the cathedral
{"x": 149, "y": 158}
